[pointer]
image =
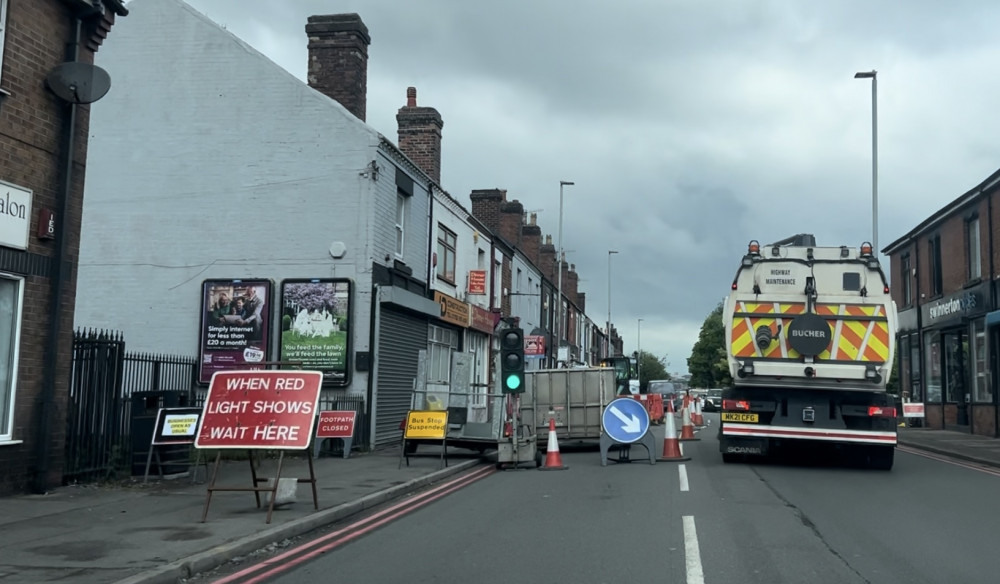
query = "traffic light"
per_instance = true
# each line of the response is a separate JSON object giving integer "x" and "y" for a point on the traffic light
{"x": 512, "y": 360}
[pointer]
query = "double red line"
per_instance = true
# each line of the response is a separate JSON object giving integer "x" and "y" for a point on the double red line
{"x": 299, "y": 554}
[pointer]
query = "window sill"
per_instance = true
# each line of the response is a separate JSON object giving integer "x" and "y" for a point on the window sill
{"x": 446, "y": 280}
{"x": 11, "y": 442}
{"x": 973, "y": 282}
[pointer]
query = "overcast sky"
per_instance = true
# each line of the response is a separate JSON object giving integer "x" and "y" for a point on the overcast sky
{"x": 689, "y": 127}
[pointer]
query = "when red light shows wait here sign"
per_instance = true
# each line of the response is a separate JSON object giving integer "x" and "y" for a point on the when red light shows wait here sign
{"x": 260, "y": 409}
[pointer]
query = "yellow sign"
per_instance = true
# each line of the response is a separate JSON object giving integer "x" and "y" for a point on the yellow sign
{"x": 739, "y": 417}
{"x": 426, "y": 425}
{"x": 453, "y": 310}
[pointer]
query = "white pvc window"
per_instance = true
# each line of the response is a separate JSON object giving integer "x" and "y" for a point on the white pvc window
{"x": 400, "y": 223}
{"x": 11, "y": 297}
{"x": 3, "y": 29}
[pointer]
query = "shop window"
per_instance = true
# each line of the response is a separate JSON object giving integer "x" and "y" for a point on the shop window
{"x": 906, "y": 279}
{"x": 446, "y": 254}
{"x": 904, "y": 367}
{"x": 915, "y": 392}
{"x": 973, "y": 248}
{"x": 982, "y": 390}
{"x": 956, "y": 347}
{"x": 11, "y": 296}
{"x": 932, "y": 365}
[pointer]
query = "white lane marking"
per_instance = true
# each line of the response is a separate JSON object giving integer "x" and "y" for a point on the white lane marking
{"x": 692, "y": 557}
{"x": 682, "y": 471}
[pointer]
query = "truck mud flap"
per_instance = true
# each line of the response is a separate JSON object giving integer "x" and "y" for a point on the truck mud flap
{"x": 744, "y": 446}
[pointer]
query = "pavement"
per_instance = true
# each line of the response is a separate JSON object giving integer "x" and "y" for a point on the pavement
{"x": 151, "y": 533}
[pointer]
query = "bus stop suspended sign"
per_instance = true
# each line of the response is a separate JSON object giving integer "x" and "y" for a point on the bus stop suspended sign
{"x": 260, "y": 409}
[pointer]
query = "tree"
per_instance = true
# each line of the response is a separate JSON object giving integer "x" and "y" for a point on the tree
{"x": 311, "y": 296}
{"x": 708, "y": 364}
{"x": 651, "y": 367}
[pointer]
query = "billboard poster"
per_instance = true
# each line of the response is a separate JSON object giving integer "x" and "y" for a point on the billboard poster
{"x": 235, "y": 325}
{"x": 316, "y": 326}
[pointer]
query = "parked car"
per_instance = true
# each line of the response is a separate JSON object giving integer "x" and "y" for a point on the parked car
{"x": 713, "y": 400}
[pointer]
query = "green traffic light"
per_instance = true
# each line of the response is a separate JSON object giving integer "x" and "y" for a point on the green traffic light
{"x": 513, "y": 381}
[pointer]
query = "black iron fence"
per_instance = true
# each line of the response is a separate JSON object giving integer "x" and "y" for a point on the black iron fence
{"x": 97, "y": 416}
{"x": 105, "y": 387}
{"x": 114, "y": 397}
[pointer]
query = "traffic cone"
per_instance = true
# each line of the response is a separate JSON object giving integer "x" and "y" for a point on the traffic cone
{"x": 671, "y": 447}
{"x": 696, "y": 418}
{"x": 687, "y": 429}
{"x": 553, "y": 460}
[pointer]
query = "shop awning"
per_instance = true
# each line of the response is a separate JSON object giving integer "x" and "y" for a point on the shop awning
{"x": 993, "y": 318}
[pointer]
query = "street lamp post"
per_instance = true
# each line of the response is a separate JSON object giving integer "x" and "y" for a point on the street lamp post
{"x": 559, "y": 260}
{"x": 872, "y": 75}
{"x": 610, "y": 252}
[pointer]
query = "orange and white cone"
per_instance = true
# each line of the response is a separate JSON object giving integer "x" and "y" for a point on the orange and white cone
{"x": 687, "y": 429}
{"x": 696, "y": 418}
{"x": 671, "y": 447}
{"x": 553, "y": 460}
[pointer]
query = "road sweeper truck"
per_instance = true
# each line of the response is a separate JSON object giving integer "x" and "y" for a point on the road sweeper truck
{"x": 810, "y": 337}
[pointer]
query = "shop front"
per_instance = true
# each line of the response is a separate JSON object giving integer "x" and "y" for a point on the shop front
{"x": 956, "y": 378}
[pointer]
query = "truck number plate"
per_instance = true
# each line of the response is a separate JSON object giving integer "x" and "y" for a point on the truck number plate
{"x": 739, "y": 417}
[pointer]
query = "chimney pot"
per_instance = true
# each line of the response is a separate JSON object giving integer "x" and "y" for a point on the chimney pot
{"x": 411, "y": 97}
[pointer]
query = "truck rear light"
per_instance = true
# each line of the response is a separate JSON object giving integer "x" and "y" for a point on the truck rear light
{"x": 885, "y": 289}
{"x": 881, "y": 412}
{"x": 733, "y": 404}
{"x": 753, "y": 247}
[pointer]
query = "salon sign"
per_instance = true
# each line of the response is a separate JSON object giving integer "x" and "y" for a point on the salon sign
{"x": 15, "y": 216}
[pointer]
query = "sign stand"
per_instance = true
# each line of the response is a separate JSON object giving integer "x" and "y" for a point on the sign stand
{"x": 425, "y": 425}
{"x": 336, "y": 424}
{"x": 273, "y": 489}
{"x": 625, "y": 422}
{"x": 262, "y": 410}
{"x": 174, "y": 427}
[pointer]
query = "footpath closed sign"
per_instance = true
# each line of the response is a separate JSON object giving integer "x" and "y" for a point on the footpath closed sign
{"x": 260, "y": 409}
{"x": 336, "y": 424}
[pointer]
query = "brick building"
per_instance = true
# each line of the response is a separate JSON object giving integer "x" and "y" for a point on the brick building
{"x": 41, "y": 196}
{"x": 943, "y": 274}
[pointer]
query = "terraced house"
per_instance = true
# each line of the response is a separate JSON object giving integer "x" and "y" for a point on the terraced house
{"x": 48, "y": 86}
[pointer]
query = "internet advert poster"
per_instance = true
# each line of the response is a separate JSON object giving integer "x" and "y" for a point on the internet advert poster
{"x": 235, "y": 325}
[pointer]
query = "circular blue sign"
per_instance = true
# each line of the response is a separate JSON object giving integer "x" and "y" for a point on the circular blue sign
{"x": 625, "y": 420}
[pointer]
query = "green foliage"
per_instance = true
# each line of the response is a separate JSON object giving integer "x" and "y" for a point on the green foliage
{"x": 707, "y": 364}
{"x": 651, "y": 367}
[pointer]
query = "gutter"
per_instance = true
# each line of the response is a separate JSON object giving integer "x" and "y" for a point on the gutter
{"x": 46, "y": 405}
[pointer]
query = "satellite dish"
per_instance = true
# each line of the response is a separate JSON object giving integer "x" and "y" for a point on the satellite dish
{"x": 79, "y": 83}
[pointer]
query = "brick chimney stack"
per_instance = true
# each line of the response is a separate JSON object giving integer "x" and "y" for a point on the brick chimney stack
{"x": 338, "y": 59}
{"x": 486, "y": 207}
{"x": 547, "y": 259}
{"x": 511, "y": 218}
{"x": 571, "y": 284}
{"x": 420, "y": 135}
{"x": 531, "y": 239}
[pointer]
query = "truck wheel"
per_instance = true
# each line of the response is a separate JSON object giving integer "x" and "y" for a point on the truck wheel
{"x": 881, "y": 457}
{"x": 538, "y": 459}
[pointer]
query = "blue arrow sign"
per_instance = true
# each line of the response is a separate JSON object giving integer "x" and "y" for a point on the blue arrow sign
{"x": 625, "y": 420}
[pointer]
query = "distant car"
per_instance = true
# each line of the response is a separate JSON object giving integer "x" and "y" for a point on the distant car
{"x": 713, "y": 400}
